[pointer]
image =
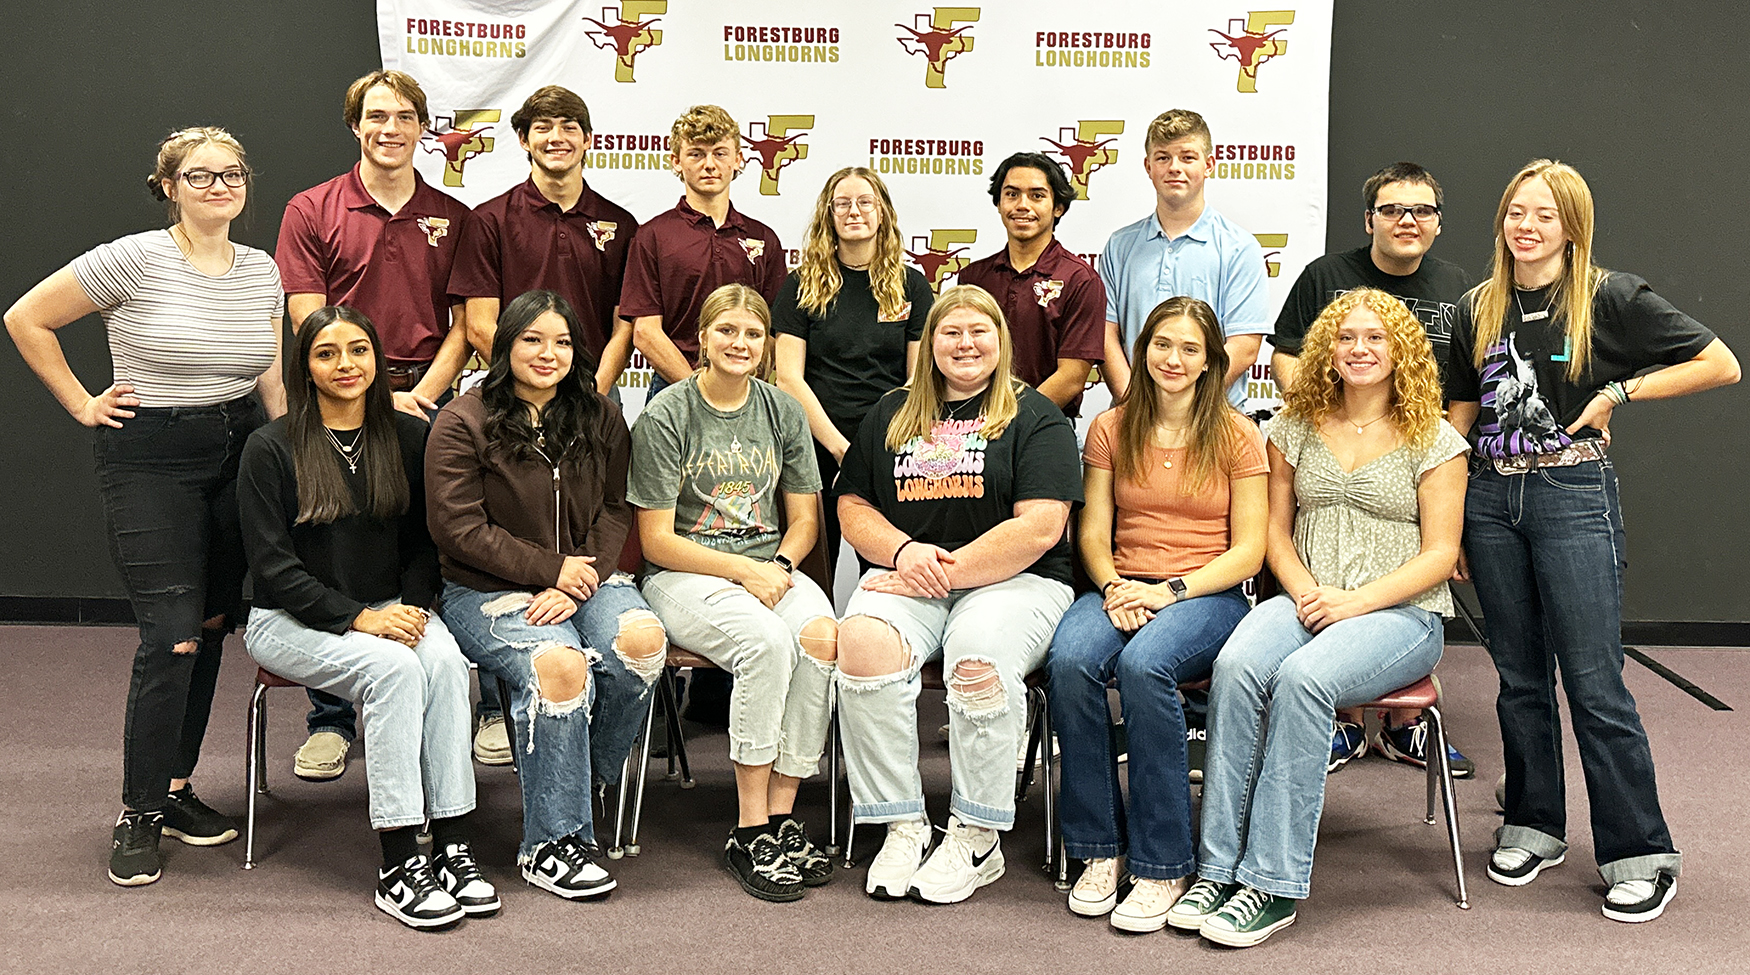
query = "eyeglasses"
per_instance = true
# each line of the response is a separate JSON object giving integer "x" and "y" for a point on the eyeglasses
{"x": 1423, "y": 212}
{"x": 200, "y": 179}
{"x": 842, "y": 205}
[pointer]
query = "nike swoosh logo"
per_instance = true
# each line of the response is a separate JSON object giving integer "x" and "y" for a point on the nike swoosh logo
{"x": 402, "y": 893}
{"x": 553, "y": 869}
{"x": 978, "y": 861}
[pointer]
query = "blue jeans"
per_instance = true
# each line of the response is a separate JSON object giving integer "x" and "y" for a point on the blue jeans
{"x": 1178, "y": 645}
{"x": 1275, "y": 694}
{"x": 1546, "y": 551}
{"x": 415, "y": 701}
{"x": 562, "y": 745}
{"x": 168, "y": 481}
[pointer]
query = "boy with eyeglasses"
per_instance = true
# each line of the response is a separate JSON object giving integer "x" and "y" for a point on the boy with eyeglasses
{"x": 1054, "y": 302}
{"x": 682, "y": 255}
{"x": 380, "y": 239}
{"x": 1185, "y": 247}
{"x": 1402, "y": 215}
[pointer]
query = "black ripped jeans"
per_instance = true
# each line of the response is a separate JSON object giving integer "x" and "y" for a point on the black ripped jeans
{"x": 168, "y": 480}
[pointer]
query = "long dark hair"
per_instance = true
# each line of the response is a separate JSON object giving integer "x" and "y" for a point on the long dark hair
{"x": 1213, "y": 439}
{"x": 323, "y": 495}
{"x": 569, "y": 418}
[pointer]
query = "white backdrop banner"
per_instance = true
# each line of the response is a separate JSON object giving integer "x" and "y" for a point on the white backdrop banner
{"x": 932, "y": 98}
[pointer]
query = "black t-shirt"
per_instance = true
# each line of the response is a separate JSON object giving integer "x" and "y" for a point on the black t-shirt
{"x": 956, "y": 486}
{"x": 853, "y": 356}
{"x": 1526, "y": 399}
{"x": 1431, "y": 294}
{"x": 323, "y": 575}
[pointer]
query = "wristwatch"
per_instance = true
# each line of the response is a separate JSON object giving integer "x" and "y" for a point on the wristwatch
{"x": 1177, "y": 585}
{"x": 783, "y": 562}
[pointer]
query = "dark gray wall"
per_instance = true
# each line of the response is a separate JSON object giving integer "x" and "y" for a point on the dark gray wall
{"x": 1648, "y": 100}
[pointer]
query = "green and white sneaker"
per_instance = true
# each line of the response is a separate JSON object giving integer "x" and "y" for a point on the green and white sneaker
{"x": 1248, "y": 918}
{"x": 1199, "y": 904}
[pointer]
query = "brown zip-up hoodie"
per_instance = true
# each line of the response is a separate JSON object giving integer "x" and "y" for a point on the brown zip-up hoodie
{"x": 492, "y": 517}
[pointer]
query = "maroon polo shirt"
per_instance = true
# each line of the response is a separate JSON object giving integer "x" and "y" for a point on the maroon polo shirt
{"x": 337, "y": 242}
{"x": 521, "y": 241}
{"x": 1056, "y": 310}
{"x": 679, "y": 258}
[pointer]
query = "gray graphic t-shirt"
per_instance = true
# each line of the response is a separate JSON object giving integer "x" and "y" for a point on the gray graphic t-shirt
{"x": 723, "y": 473}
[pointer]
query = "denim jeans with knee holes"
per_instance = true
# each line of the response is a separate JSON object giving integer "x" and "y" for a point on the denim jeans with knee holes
{"x": 1178, "y": 645}
{"x": 1272, "y": 705}
{"x": 1547, "y": 552}
{"x": 1007, "y": 625}
{"x": 562, "y": 746}
{"x": 168, "y": 480}
{"x": 778, "y": 709}
{"x": 414, "y": 701}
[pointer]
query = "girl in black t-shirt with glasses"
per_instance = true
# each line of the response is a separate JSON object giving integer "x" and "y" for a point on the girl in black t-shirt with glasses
{"x": 1542, "y": 353}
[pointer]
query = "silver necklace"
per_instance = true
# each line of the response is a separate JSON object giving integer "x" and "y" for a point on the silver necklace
{"x": 1362, "y": 427}
{"x": 351, "y": 453}
{"x": 1535, "y": 316}
{"x": 954, "y": 411}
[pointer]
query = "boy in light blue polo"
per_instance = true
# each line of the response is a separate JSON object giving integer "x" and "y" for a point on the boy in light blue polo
{"x": 1183, "y": 248}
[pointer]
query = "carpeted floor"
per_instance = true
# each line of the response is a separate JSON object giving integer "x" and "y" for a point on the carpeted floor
{"x": 1382, "y": 896}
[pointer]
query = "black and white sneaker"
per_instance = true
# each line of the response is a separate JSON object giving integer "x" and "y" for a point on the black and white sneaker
{"x": 1634, "y": 901}
{"x": 411, "y": 894}
{"x": 1515, "y": 866}
{"x": 763, "y": 869}
{"x": 461, "y": 876}
{"x": 814, "y": 866}
{"x": 133, "y": 849}
{"x": 566, "y": 866}
{"x": 194, "y": 822}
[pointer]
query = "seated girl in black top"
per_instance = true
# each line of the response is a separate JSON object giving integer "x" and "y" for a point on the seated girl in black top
{"x": 333, "y": 514}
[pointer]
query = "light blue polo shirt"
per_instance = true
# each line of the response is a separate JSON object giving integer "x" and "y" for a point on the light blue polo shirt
{"x": 1216, "y": 260}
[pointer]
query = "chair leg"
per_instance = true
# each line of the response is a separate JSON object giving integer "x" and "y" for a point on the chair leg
{"x": 509, "y": 724}
{"x": 1048, "y": 784}
{"x": 252, "y": 764}
{"x": 677, "y": 742}
{"x": 1024, "y": 777}
{"x": 832, "y": 769}
{"x": 1437, "y": 725}
{"x": 665, "y": 690}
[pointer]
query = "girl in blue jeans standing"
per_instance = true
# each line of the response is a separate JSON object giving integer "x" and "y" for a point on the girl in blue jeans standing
{"x": 1366, "y": 504}
{"x": 1180, "y": 475}
{"x": 1542, "y": 353}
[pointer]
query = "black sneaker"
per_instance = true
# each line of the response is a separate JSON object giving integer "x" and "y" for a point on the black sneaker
{"x": 1634, "y": 901}
{"x": 566, "y": 866}
{"x": 133, "y": 850}
{"x": 763, "y": 869}
{"x": 461, "y": 876}
{"x": 411, "y": 894}
{"x": 814, "y": 866}
{"x": 194, "y": 822}
{"x": 1515, "y": 866}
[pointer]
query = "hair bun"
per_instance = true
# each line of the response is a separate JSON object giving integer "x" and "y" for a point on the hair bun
{"x": 155, "y": 186}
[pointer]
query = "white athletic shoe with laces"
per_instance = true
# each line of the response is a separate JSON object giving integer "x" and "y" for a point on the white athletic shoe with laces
{"x": 1096, "y": 891}
{"x": 968, "y": 858}
{"x": 891, "y": 871}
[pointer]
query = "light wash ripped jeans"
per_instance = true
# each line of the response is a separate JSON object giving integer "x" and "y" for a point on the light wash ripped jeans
{"x": 778, "y": 710}
{"x": 1006, "y": 624}
{"x": 414, "y": 700}
{"x": 561, "y": 746}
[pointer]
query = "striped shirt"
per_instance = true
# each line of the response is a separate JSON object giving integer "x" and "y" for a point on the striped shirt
{"x": 183, "y": 338}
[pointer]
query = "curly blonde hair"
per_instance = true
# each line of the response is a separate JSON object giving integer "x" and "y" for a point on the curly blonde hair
{"x": 818, "y": 276}
{"x": 1317, "y": 392}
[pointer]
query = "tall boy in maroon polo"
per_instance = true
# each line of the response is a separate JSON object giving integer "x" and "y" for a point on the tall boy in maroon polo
{"x": 553, "y": 232}
{"x": 684, "y": 254}
{"x": 1054, "y": 301}
{"x": 380, "y": 239}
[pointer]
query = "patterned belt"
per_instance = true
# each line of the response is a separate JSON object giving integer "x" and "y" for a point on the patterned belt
{"x": 1577, "y": 452}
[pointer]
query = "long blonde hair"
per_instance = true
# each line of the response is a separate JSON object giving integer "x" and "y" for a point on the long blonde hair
{"x": 925, "y": 394}
{"x": 818, "y": 275}
{"x": 1317, "y": 392}
{"x": 730, "y": 297}
{"x": 1213, "y": 439}
{"x": 1573, "y": 292}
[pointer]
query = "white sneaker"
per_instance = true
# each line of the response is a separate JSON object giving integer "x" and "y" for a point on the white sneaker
{"x": 892, "y": 869}
{"x": 1096, "y": 892}
{"x": 1634, "y": 901}
{"x": 968, "y": 858}
{"x": 1145, "y": 910}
